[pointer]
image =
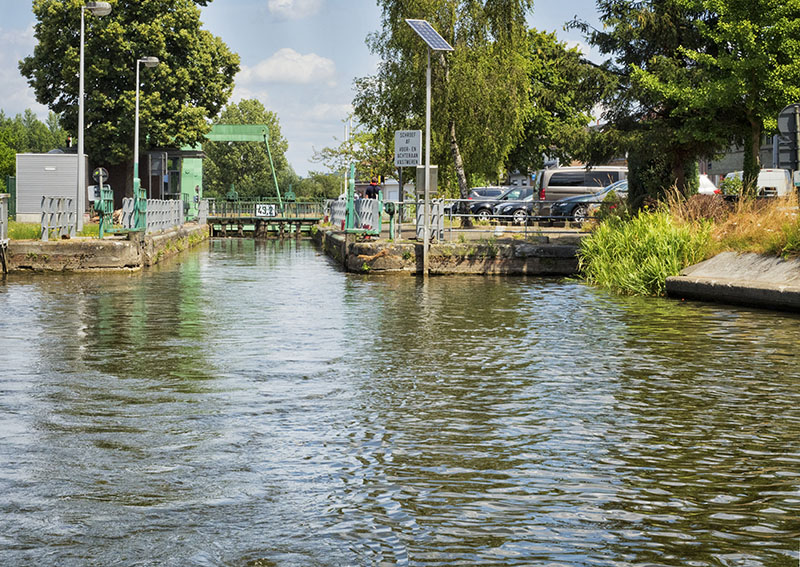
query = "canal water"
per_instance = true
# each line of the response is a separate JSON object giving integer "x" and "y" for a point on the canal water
{"x": 248, "y": 404}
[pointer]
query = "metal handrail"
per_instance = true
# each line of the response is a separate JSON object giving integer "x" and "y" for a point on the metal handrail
{"x": 249, "y": 209}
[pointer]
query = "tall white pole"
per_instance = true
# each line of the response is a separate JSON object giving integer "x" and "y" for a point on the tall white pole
{"x": 136, "y": 130}
{"x": 81, "y": 173}
{"x": 426, "y": 232}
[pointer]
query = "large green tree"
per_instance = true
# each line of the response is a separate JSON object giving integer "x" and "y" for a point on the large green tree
{"x": 480, "y": 90}
{"x": 192, "y": 83}
{"x": 564, "y": 90}
{"x": 647, "y": 114}
{"x": 750, "y": 64}
{"x": 246, "y": 165}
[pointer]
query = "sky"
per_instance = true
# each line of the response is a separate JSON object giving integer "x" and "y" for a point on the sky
{"x": 298, "y": 57}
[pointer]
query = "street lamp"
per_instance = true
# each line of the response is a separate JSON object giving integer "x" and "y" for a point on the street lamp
{"x": 98, "y": 9}
{"x": 148, "y": 62}
{"x": 137, "y": 206}
{"x": 435, "y": 42}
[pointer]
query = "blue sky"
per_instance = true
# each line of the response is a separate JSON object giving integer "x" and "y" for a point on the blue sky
{"x": 299, "y": 57}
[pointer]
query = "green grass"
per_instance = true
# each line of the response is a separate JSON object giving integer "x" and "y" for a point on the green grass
{"x": 636, "y": 256}
{"x": 32, "y": 230}
{"x": 23, "y": 230}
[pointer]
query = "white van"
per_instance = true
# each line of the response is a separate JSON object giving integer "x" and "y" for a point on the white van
{"x": 771, "y": 182}
{"x": 562, "y": 182}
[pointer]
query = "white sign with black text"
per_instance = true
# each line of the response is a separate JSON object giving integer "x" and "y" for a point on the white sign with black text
{"x": 266, "y": 210}
{"x": 407, "y": 148}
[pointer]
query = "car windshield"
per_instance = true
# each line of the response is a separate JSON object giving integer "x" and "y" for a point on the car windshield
{"x": 515, "y": 194}
{"x": 617, "y": 186}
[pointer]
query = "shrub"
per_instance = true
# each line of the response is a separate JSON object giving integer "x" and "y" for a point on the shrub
{"x": 636, "y": 256}
{"x": 762, "y": 226}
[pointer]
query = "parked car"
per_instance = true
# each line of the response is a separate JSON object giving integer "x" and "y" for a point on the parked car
{"x": 707, "y": 186}
{"x": 476, "y": 193}
{"x": 562, "y": 182}
{"x": 484, "y": 209}
{"x": 518, "y": 212}
{"x": 770, "y": 183}
{"x": 577, "y": 208}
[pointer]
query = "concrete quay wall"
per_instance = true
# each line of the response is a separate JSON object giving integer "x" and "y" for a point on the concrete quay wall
{"x": 741, "y": 279}
{"x": 130, "y": 252}
{"x": 538, "y": 257}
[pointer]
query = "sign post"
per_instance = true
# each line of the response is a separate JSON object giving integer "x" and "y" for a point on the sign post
{"x": 407, "y": 153}
{"x": 789, "y": 127}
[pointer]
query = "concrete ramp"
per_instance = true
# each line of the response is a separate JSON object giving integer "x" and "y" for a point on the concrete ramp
{"x": 744, "y": 279}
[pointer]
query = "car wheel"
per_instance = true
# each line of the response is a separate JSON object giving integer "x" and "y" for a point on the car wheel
{"x": 520, "y": 216}
{"x": 580, "y": 213}
{"x": 484, "y": 215}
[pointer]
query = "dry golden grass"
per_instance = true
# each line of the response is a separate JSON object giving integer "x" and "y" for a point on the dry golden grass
{"x": 763, "y": 226}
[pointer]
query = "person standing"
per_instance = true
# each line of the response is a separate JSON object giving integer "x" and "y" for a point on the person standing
{"x": 374, "y": 188}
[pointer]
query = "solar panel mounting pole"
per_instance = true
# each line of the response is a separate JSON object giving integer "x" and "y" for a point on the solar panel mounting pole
{"x": 426, "y": 232}
{"x": 435, "y": 42}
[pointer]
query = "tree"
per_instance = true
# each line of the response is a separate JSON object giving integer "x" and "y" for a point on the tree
{"x": 246, "y": 164}
{"x": 480, "y": 90}
{"x": 26, "y": 133}
{"x": 651, "y": 112}
{"x": 371, "y": 154}
{"x": 751, "y": 66}
{"x": 565, "y": 88}
{"x": 190, "y": 85}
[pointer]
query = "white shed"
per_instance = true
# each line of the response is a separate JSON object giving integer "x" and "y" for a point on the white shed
{"x": 51, "y": 175}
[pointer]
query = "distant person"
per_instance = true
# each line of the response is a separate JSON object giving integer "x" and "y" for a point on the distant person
{"x": 374, "y": 189}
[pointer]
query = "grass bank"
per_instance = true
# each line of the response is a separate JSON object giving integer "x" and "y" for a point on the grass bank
{"x": 636, "y": 255}
{"x": 33, "y": 231}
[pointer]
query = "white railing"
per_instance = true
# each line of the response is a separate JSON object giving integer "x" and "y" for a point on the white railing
{"x": 58, "y": 217}
{"x": 164, "y": 215}
{"x": 436, "y": 219}
{"x": 368, "y": 213}
{"x": 337, "y": 210}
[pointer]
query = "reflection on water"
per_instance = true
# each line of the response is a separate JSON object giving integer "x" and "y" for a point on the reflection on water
{"x": 249, "y": 404}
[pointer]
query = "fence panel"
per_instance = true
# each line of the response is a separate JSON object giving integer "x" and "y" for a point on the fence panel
{"x": 436, "y": 219}
{"x": 4, "y": 207}
{"x": 58, "y": 216}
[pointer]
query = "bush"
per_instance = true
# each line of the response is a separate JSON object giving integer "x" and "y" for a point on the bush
{"x": 637, "y": 256}
{"x": 763, "y": 226}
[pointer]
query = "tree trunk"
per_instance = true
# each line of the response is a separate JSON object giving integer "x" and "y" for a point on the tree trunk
{"x": 463, "y": 186}
{"x": 752, "y": 159}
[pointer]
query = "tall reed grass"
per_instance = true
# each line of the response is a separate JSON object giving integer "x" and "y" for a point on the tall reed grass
{"x": 636, "y": 256}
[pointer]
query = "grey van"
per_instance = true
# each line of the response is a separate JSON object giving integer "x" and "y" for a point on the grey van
{"x": 562, "y": 182}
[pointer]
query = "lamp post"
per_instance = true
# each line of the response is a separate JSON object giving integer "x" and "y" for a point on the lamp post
{"x": 435, "y": 42}
{"x": 148, "y": 62}
{"x": 98, "y": 9}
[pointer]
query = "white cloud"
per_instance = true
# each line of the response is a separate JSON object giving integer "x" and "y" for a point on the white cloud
{"x": 294, "y": 9}
{"x": 326, "y": 111}
{"x": 288, "y": 66}
{"x": 15, "y": 94}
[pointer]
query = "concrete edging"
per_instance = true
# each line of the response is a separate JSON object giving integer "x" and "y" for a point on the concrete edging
{"x": 131, "y": 252}
{"x": 489, "y": 257}
{"x": 741, "y": 279}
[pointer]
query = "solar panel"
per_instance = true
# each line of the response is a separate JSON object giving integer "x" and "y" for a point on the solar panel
{"x": 429, "y": 35}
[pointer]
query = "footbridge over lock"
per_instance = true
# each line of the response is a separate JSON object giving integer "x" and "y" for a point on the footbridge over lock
{"x": 282, "y": 215}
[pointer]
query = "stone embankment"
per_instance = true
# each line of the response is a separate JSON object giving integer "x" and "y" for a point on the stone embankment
{"x": 743, "y": 279}
{"x": 132, "y": 251}
{"x": 539, "y": 256}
